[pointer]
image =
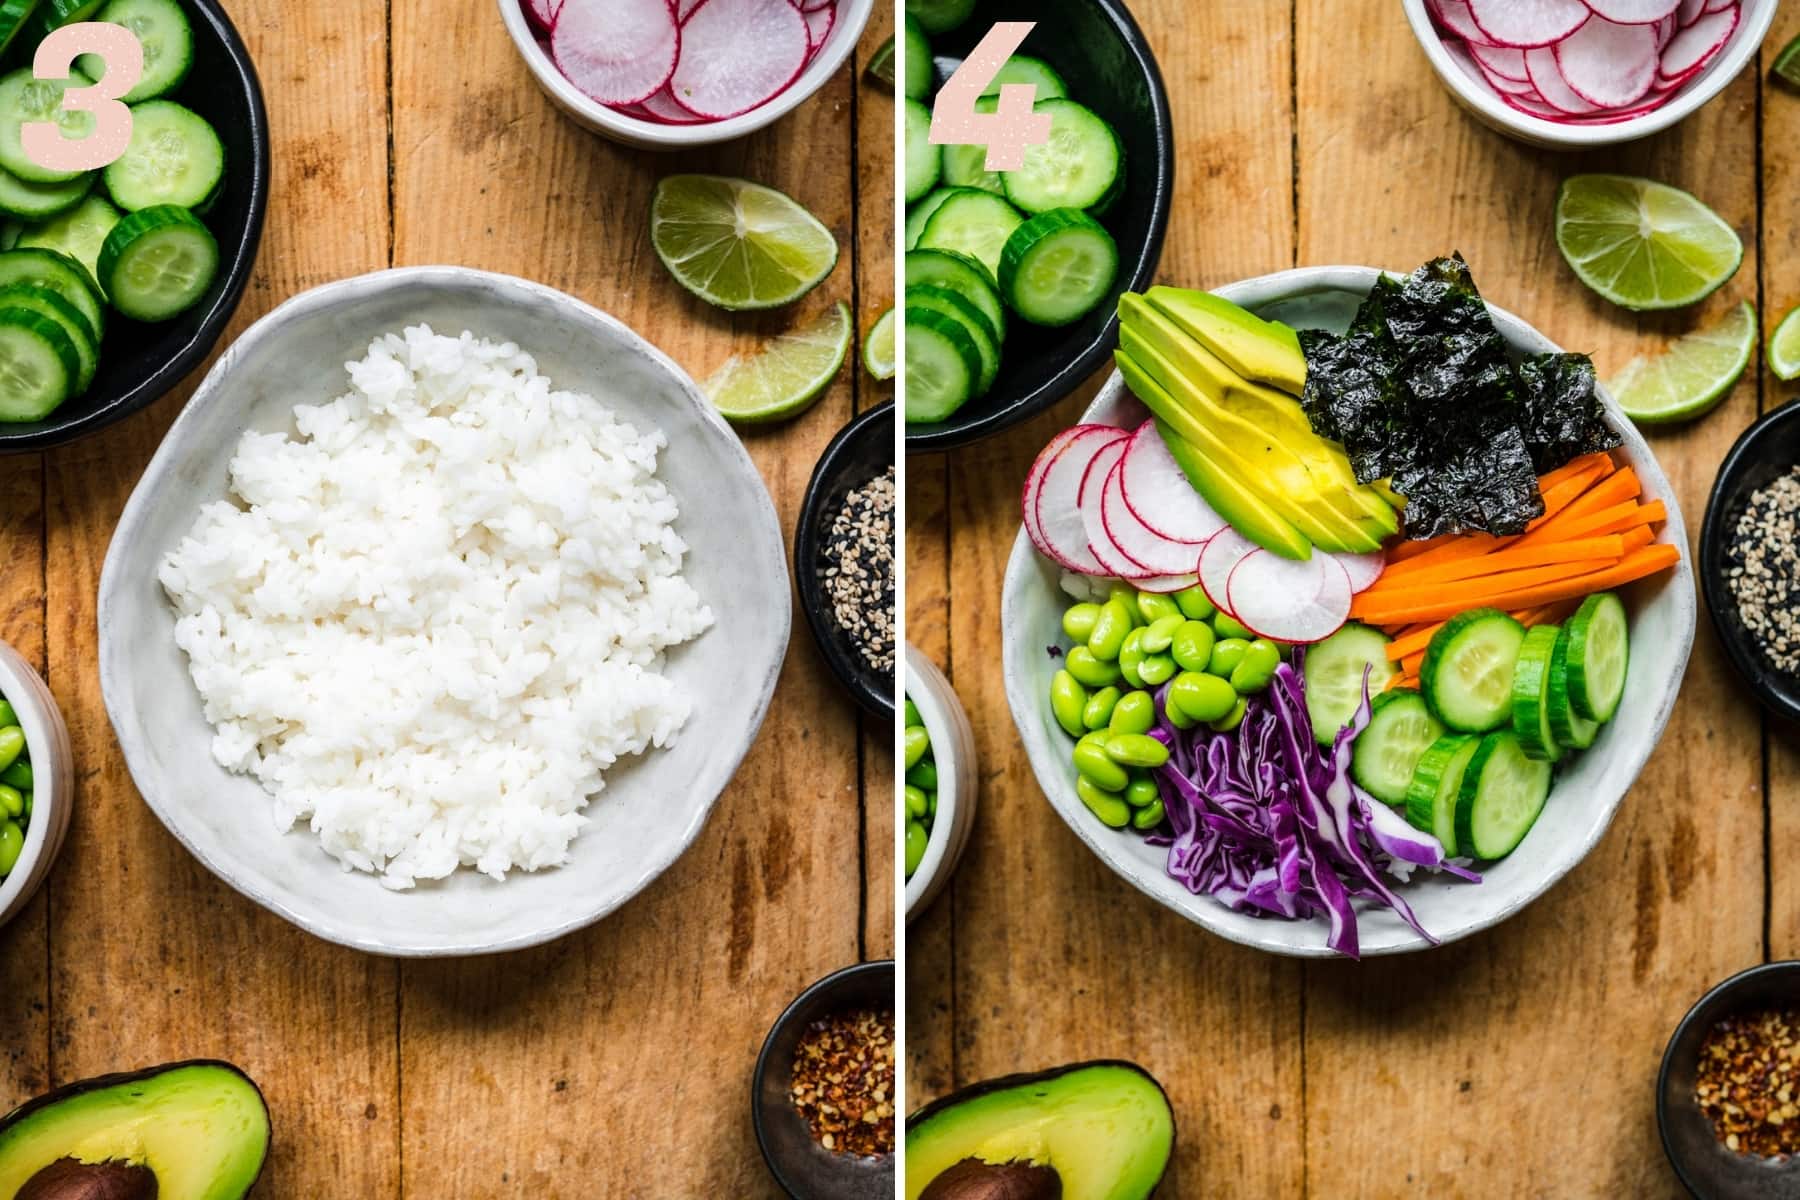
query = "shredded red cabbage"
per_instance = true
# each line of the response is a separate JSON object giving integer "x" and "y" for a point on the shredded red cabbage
{"x": 1266, "y": 820}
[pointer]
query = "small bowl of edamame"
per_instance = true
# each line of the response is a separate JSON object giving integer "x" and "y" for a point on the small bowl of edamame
{"x": 940, "y": 788}
{"x": 36, "y": 782}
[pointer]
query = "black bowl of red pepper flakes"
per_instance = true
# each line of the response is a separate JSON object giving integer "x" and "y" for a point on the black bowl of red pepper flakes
{"x": 823, "y": 1097}
{"x": 1728, "y": 1094}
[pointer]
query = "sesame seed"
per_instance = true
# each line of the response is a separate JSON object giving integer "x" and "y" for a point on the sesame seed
{"x": 856, "y": 566}
{"x": 1764, "y": 576}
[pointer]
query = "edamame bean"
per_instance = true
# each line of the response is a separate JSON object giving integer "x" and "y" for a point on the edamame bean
{"x": 1142, "y": 792}
{"x": 917, "y": 743}
{"x": 912, "y": 714}
{"x": 1136, "y": 750}
{"x": 1108, "y": 806}
{"x": 12, "y": 800}
{"x": 1227, "y": 626}
{"x": 1127, "y": 595}
{"x": 1078, "y": 622}
{"x": 1134, "y": 713}
{"x": 12, "y": 744}
{"x": 1156, "y": 670}
{"x": 1155, "y": 607}
{"x": 1095, "y": 764}
{"x": 930, "y": 807}
{"x": 1232, "y": 719}
{"x": 8, "y": 716}
{"x": 1131, "y": 657}
{"x": 1195, "y": 603}
{"x": 916, "y": 839}
{"x": 1099, "y": 709}
{"x": 1192, "y": 645}
{"x": 1200, "y": 697}
{"x": 923, "y": 775}
{"x": 1090, "y": 670}
{"x": 1179, "y": 719}
{"x": 1067, "y": 699}
{"x": 1227, "y": 654}
{"x": 1253, "y": 674}
{"x": 12, "y": 840}
{"x": 18, "y": 775}
{"x": 1110, "y": 630}
{"x": 1161, "y": 632}
{"x": 1148, "y": 817}
{"x": 915, "y": 802}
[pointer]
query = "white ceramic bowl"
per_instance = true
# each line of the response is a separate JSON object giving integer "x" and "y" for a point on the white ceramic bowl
{"x": 52, "y": 780}
{"x": 653, "y": 806}
{"x": 1588, "y": 789}
{"x": 953, "y": 749}
{"x": 852, "y": 17}
{"x": 1475, "y": 94}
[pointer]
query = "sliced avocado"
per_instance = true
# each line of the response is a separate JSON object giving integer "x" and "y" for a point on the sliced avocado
{"x": 1264, "y": 351}
{"x": 1203, "y": 458}
{"x": 1094, "y": 1131}
{"x": 186, "y": 1131}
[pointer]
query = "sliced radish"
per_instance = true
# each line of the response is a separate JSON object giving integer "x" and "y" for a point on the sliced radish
{"x": 1691, "y": 49}
{"x": 685, "y": 9}
{"x": 1534, "y": 106}
{"x": 737, "y": 55}
{"x": 1150, "y": 550}
{"x": 1526, "y": 23}
{"x": 1061, "y": 533}
{"x": 1100, "y": 541}
{"x": 1501, "y": 60}
{"x": 618, "y": 51}
{"x": 1164, "y": 584}
{"x": 815, "y": 5}
{"x": 1665, "y": 29}
{"x": 819, "y": 22}
{"x": 543, "y": 13}
{"x": 1633, "y": 12}
{"x": 1608, "y": 65}
{"x": 1363, "y": 569}
{"x": 1159, "y": 494}
{"x": 1454, "y": 14}
{"x": 1551, "y": 85}
{"x": 1500, "y": 83}
{"x": 663, "y": 107}
{"x": 1688, "y": 13}
{"x": 1713, "y": 6}
{"x": 1224, "y": 550}
{"x": 1287, "y": 599}
{"x": 1035, "y": 477}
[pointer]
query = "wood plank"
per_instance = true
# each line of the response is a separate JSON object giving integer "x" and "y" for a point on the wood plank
{"x": 25, "y": 941}
{"x": 1575, "y": 996}
{"x": 1055, "y": 959}
{"x": 154, "y": 959}
{"x": 616, "y": 1062}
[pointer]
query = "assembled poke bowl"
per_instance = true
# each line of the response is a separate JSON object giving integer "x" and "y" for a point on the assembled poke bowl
{"x": 1661, "y": 614}
{"x": 953, "y": 751}
{"x": 53, "y": 780}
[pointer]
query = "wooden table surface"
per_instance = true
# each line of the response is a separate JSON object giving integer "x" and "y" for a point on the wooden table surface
{"x": 615, "y": 1062}
{"x": 1519, "y": 1062}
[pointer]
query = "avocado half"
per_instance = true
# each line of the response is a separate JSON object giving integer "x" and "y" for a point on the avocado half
{"x": 194, "y": 1130}
{"x": 1090, "y": 1131}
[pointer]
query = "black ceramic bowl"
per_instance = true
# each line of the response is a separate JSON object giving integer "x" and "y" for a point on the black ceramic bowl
{"x": 1769, "y": 448}
{"x": 862, "y": 450}
{"x": 141, "y": 362}
{"x": 1100, "y": 52}
{"x": 804, "y": 1168}
{"x": 1709, "y": 1170}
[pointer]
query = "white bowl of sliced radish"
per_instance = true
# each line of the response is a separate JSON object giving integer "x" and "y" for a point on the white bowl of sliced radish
{"x": 1587, "y": 787}
{"x": 1572, "y": 74}
{"x": 670, "y": 74}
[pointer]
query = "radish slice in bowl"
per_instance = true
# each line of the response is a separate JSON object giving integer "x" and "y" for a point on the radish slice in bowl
{"x": 617, "y": 51}
{"x": 737, "y": 55}
{"x": 1608, "y": 65}
{"x": 1221, "y": 556}
{"x": 1137, "y": 541}
{"x": 1525, "y": 23}
{"x": 1061, "y": 533}
{"x": 1159, "y": 494}
{"x": 1100, "y": 542}
{"x": 1362, "y": 569}
{"x": 1289, "y": 599}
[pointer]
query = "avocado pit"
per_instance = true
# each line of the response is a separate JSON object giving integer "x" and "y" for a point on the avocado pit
{"x": 972, "y": 1179}
{"x": 68, "y": 1179}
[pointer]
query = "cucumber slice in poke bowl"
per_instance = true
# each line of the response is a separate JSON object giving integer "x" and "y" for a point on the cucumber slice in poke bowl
{"x": 1153, "y": 570}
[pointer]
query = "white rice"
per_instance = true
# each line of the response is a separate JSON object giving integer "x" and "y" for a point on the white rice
{"x": 438, "y": 615}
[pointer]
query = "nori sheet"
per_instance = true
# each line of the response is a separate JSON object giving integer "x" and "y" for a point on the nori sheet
{"x": 1352, "y": 392}
{"x": 1563, "y": 415}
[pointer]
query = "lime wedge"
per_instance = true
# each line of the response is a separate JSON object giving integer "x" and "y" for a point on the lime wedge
{"x": 1692, "y": 375}
{"x": 878, "y": 347}
{"x": 783, "y": 378}
{"x": 1787, "y": 64}
{"x": 738, "y": 244}
{"x": 1784, "y": 347}
{"x": 881, "y": 65}
{"x": 1643, "y": 245}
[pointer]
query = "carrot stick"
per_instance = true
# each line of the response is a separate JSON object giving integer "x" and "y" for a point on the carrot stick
{"x": 1637, "y": 538}
{"x": 1468, "y": 593}
{"x": 1620, "y": 486}
{"x": 1508, "y": 559}
{"x": 1446, "y": 603}
{"x": 1463, "y": 547}
{"x": 1412, "y": 663}
{"x": 1618, "y": 519}
{"x": 1410, "y": 549}
{"x": 1414, "y": 639}
{"x": 1598, "y": 463}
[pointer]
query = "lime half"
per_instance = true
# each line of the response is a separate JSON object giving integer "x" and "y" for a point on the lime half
{"x": 1787, "y": 64}
{"x": 1692, "y": 375}
{"x": 783, "y": 378}
{"x": 1784, "y": 347}
{"x": 1643, "y": 245}
{"x": 738, "y": 244}
{"x": 878, "y": 347}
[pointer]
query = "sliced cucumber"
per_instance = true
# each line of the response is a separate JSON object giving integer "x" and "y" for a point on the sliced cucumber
{"x": 942, "y": 366}
{"x": 1074, "y": 169}
{"x": 47, "y": 303}
{"x": 60, "y": 274}
{"x": 920, "y": 213}
{"x": 158, "y": 263}
{"x": 13, "y": 14}
{"x": 918, "y": 60}
{"x": 924, "y": 161}
{"x": 1468, "y": 670}
{"x": 1023, "y": 68}
{"x": 54, "y": 14}
{"x": 940, "y": 16}
{"x": 1334, "y": 671}
{"x": 974, "y": 223}
{"x": 949, "y": 303}
{"x": 966, "y": 166}
{"x": 1503, "y": 791}
{"x": 1436, "y": 782}
{"x": 1569, "y": 727}
{"x": 10, "y": 232}
{"x": 1401, "y": 728}
{"x": 1058, "y": 267}
{"x": 38, "y": 365}
{"x": 40, "y": 201}
{"x": 1531, "y": 693}
{"x": 25, "y": 98}
{"x": 963, "y": 275}
{"x": 1599, "y": 654}
{"x": 162, "y": 29}
{"x": 174, "y": 157}
{"x": 78, "y": 233}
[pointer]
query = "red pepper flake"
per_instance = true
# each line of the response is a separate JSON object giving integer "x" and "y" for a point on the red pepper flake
{"x": 1748, "y": 1082}
{"x": 844, "y": 1082}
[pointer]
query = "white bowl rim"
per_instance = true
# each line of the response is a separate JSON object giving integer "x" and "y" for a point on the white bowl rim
{"x": 938, "y": 721}
{"x": 269, "y": 326}
{"x": 45, "y": 731}
{"x": 852, "y": 19}
{"x": 1207, "y": 912}
{"x": 1714, "y": 79}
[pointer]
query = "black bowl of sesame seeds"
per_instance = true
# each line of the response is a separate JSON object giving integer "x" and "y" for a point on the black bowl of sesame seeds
{"x": 1728, "y": 1094}
{"x": 844, "y": 553}
{"x": 1750, "y": 558}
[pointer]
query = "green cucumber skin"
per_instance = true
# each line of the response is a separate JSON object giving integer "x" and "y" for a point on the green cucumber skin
{"x": 932, "y": 323}
{"x": 963, "y": 275}
{"x": 1369, "y": 648}
{"x": 1442, "y": 644}
{"x": 980, "y": 330}
{"x": 1436, "y": 781}
{"x": 1469, "y": 792}
{"x": 1030, "y": 237}
{"x": 53, "y": 336}
{"x": 1570, "y": 727}
{"x": 1531, "y": 694}
{"x": 132, "y": 228}
{"x": 924, "y": 161}
{"x": 1024, "y": 186}
{"x": 1369, "y": 743}
{"x": 1595, "y": 708}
